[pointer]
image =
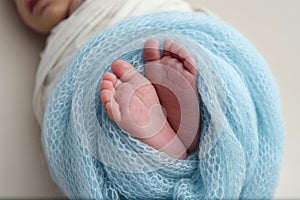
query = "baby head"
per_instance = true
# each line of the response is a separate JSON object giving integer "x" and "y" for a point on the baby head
{"x": 43, "y": 15}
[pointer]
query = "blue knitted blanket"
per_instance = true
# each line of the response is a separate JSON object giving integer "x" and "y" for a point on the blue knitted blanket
{"x": 242, "y": 132}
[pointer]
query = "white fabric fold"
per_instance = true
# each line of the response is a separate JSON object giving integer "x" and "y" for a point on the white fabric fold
{"x": 67, "y": 37}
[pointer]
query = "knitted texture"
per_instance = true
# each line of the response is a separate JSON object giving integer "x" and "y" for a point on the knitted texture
{"x": 242, "y": 132}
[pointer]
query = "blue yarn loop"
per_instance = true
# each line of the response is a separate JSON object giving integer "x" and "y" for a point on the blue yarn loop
{"x": 242, "y": 132}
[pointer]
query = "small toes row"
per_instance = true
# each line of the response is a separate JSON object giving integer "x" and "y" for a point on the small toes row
{"x": 107, "y": 88}
{"x": 176, "y": 50}
{"x": 170, "y": 48}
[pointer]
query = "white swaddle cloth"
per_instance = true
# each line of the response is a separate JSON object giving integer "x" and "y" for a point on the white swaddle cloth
{"x": 67, "y": 37}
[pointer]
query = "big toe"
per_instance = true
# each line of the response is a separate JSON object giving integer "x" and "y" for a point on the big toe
{"x": 151, "y": 50}
{"x": 121, "y": 68}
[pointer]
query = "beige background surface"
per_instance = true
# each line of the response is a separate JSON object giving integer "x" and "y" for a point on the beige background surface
{"x": 273, "y": 27}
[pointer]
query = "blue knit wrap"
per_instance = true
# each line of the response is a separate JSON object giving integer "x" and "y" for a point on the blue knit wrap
{"x": 242, "y": 132}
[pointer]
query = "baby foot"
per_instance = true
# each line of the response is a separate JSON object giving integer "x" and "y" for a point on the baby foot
{"x": 174, "y": 76}
{"x": 132, "y": 102}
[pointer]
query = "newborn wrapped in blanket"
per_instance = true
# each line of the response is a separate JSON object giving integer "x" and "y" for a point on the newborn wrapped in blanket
{"x": 242, "y": 133}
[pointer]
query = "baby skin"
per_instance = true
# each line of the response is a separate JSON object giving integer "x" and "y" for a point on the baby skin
{"x": 162, "y": 108}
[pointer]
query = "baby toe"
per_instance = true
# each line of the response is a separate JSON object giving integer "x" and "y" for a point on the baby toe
{"x": 106, "y": 85}
{"x": 106, "y": 96}
{"x": 110, "y": 77}
{"x": 151, "y": 50}
{"x": 121, "y": 68}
